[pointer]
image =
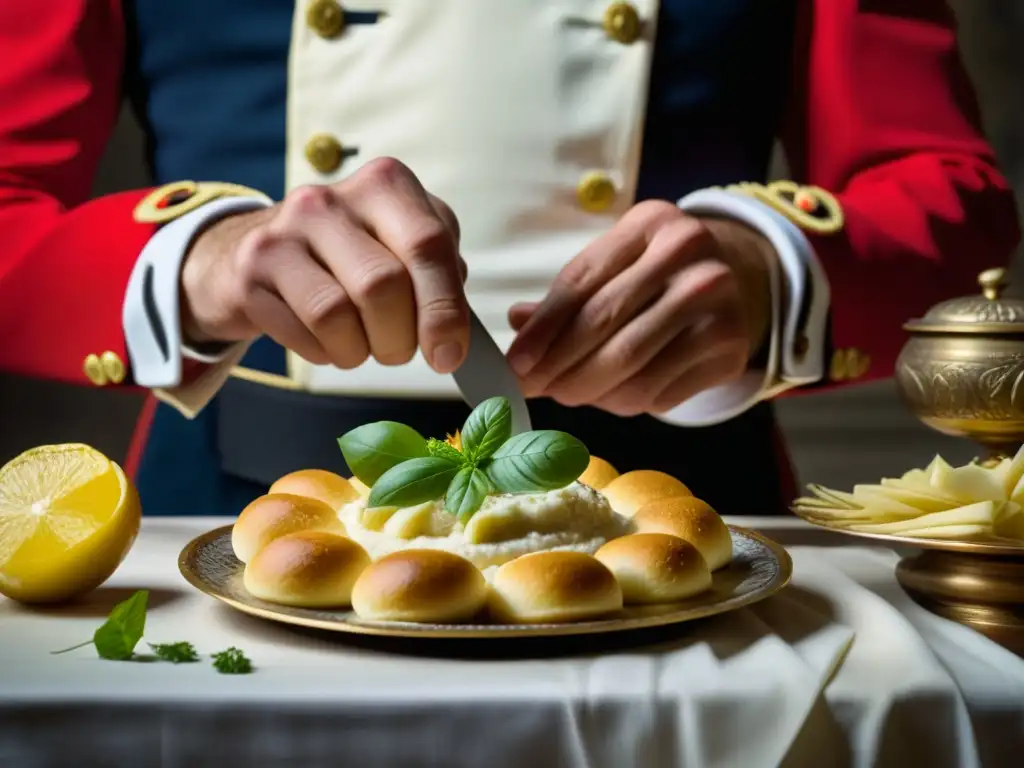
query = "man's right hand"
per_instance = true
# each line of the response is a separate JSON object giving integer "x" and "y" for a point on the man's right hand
{"x": 338, "y": 273}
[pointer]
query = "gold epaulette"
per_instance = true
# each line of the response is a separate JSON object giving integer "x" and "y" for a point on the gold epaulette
{"x": 810, "y": 208}
{"x": 171, "y": 201}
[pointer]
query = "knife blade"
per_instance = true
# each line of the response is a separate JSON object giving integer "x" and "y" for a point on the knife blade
{"x": 486, "y": 373}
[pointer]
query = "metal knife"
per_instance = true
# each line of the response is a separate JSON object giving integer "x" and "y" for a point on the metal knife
{"x": 486, "y": 373}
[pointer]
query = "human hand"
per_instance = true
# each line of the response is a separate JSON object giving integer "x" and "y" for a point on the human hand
{"x": 660, "y": 308}
{"x": 368, "y": 266}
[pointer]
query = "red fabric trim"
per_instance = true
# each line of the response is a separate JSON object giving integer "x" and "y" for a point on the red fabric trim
{"x": 885, "y": 117}
{"x": 140, "y": 436}
{"x": 64, "y": 262}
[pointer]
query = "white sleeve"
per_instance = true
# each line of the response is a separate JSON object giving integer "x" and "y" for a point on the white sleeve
{"x": 151, "y": 319}
{"x": 797, "y": 338}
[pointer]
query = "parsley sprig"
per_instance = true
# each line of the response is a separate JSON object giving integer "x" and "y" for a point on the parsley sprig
{"x": 117, "y": 638}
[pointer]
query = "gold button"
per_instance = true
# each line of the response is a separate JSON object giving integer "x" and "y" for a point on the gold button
{"x": 326, "y": 18}
{"x": 93, "y": 369}
{"x": 837, "y": 370}
{"x": 324, "y": 153}
{"x": 622, "y": 23}
{"x": 596, "y": 192}
{"x": 857, "y": 363}
{"x": 113, "y": 367}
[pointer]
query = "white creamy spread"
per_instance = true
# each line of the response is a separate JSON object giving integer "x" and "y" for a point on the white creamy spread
{"x": 505, "y": 527}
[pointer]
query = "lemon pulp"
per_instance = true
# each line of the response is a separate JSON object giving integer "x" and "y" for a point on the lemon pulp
{"x": 68, "y": 516}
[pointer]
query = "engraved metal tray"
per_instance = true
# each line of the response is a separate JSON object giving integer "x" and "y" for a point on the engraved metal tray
{"x": 759, "y": 569}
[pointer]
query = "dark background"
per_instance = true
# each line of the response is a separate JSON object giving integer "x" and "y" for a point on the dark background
{"x": 838, "y": 438}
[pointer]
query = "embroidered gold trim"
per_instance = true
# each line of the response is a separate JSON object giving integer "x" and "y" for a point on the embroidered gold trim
{"x": 159, "y": 206}
{"x": 826, "y": 214}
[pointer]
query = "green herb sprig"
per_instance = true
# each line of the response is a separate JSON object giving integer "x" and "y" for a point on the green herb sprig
{"x": 403, "y": 468}
{"x": 232, "y": 662}
{"x": 176, "y": 653}
{"x": 117, "y": 638}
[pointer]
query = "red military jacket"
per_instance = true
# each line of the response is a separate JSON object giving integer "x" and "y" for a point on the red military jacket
{"x": 883, "y": 116}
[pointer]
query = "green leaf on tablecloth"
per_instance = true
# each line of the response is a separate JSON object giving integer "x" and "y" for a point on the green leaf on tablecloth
{"x": 120, "y": 633}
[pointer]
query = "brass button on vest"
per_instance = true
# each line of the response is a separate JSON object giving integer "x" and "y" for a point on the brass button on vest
{"x": 93, "y": 369}
{"x": 326, "y": 18}
{"x": 324, "y": 153}
{"x": 622, "y": 23}
{"x": 113, "y": 367}
{"x": 596, "y": 192}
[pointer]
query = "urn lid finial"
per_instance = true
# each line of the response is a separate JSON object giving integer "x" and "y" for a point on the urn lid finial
{"x": 991, "y": 312}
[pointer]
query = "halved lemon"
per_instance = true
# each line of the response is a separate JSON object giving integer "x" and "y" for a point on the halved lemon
{"x": 68, "y": 516}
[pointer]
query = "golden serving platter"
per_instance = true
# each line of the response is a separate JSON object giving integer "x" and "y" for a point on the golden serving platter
{"x": 759, "y": 569}
{"x": 976, "y": 583}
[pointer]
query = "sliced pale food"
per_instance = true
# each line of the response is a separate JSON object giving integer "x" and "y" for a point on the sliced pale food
{"x": 838, "y": 498}
{"x": 982, "y": 513}
{"x": 374, "y": 518}
{"x": 410, "y": 522}
{"x": 968, "y": 483}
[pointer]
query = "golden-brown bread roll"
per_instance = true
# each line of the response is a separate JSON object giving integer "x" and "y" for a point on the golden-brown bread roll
{"x": 552, "y": 587}
{"x": 655, "y": 568}
{"x": 361, "y": 488}
{"x": 420, "y": 585}
{"x": 279, "y": 514}
{"x": 598, "y": 473}
{"x": 630, "y": 491}
{"x": 309, "y": 569}
{"x": 334, "y": 490}
{"x": 691, "y": 519}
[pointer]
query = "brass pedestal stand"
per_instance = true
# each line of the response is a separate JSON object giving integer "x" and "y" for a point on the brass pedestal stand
{"x": 983, "y": 590}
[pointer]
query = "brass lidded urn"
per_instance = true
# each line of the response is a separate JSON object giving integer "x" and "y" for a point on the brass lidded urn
{"x": 962, "y": 370}
{"x": 962, "y": 373}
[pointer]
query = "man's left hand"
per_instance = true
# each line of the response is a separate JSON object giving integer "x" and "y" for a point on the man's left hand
{"x": 660, "y": 308}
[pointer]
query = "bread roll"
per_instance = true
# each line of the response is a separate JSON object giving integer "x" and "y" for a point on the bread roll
{"x": 309, "y": 569}
{"x": 361, "y": 488}
{"x": 334, "y": 490}
{"x": 279, "y": 514}
{"x": 628, "y": 492}
{"x": 421, "y": 585}
{"x": 655, "y": 568}
{"x": 598, "y": 473}
{"x": 691, "y": 519}
{"x": 553, "y": 587}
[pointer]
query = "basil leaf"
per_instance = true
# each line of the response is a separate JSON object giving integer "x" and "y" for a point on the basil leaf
{"x": 488, "y": 426}
{"x": 413, "y": 482}
{"x": 541, "y": 460}
{"x": 373, "y": 449}
{"x": 467, "y": 492}
{"x": 120, "y": 633}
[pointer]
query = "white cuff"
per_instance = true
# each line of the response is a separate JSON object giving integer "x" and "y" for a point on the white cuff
{"x": 796, "y": 351}
{"x": 150, "y": 316}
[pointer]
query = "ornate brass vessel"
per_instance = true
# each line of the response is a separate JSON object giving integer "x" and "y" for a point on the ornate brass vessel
{"x": 962, "y": 370}
{"x": 962, "y": 373}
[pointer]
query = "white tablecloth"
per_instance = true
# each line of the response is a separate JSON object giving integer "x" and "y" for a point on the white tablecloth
{"x": 841, "y": 669}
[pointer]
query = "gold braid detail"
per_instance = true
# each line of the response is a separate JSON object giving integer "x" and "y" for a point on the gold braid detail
{"x": 181, "y": 197}
{"x": 792, "y": 200}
